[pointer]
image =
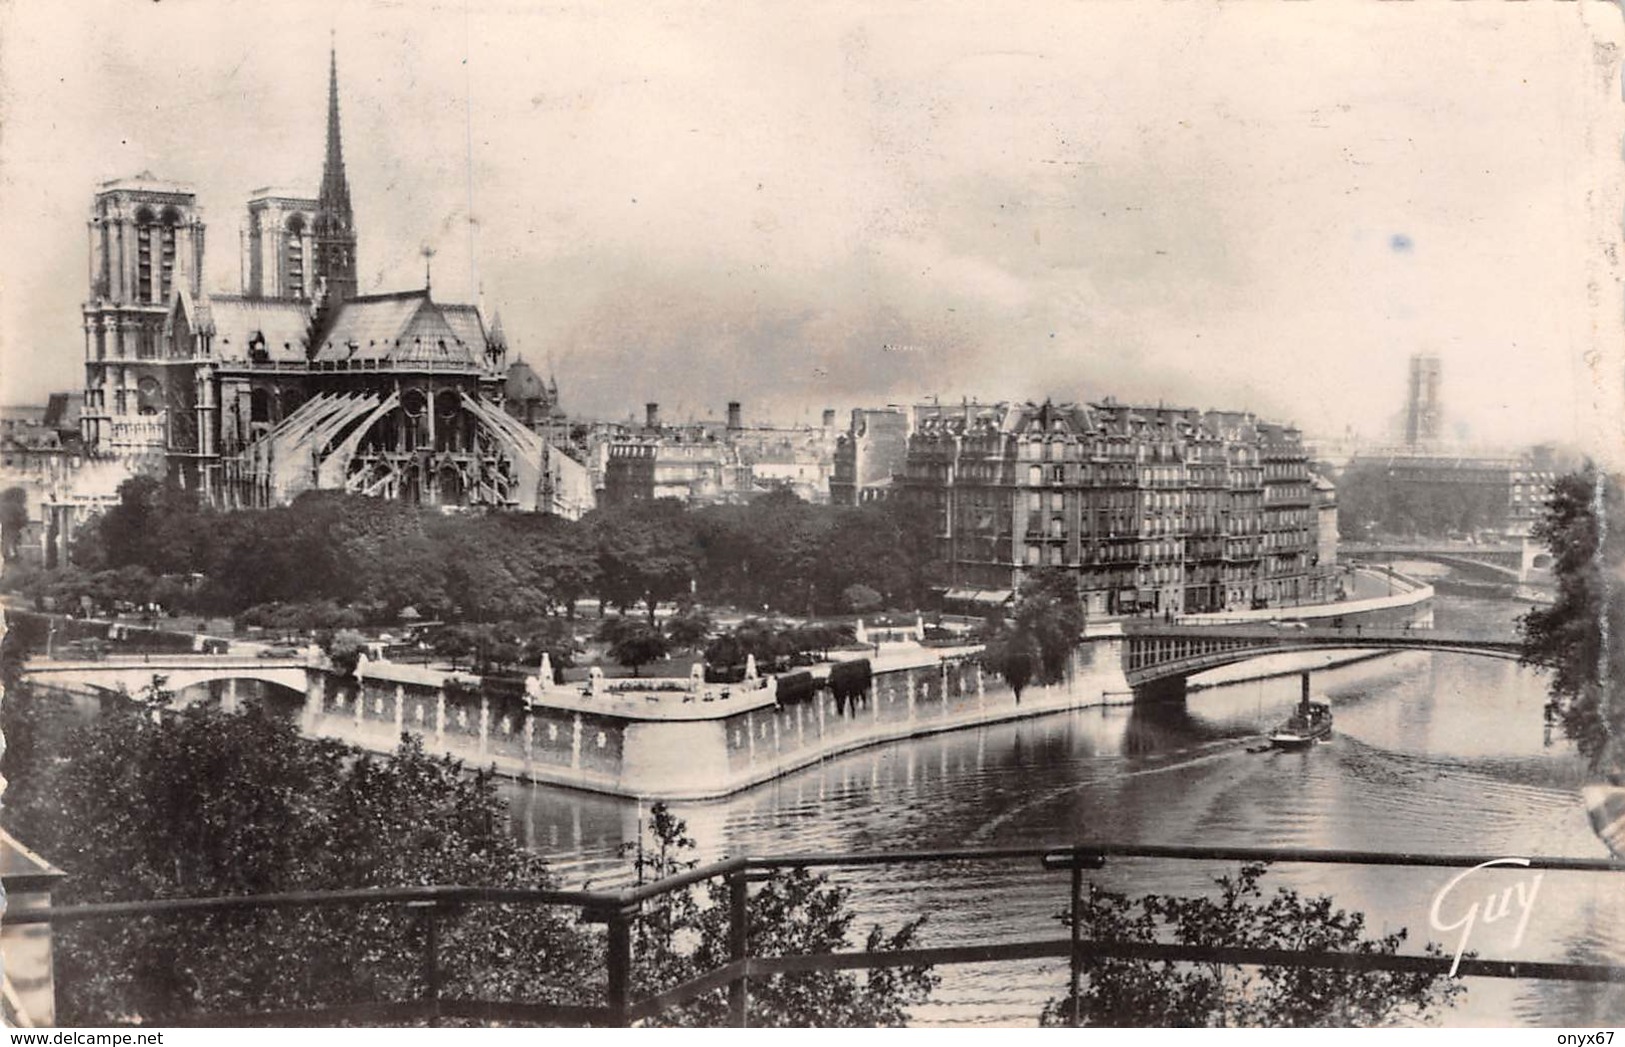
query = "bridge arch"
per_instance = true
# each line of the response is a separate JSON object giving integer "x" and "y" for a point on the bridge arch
{"x": 1163, "y": 659}
{"x": 111, "y": 676}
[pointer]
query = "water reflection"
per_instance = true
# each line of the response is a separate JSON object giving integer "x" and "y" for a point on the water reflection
{"x": 1431, "y": 752}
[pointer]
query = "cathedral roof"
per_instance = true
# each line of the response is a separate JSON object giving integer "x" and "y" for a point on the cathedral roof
{"x": 466, "y": 324}
{"x": 236, "y": 321}
{"x": 145, "y": 182}
{"x": 404, "y": 328}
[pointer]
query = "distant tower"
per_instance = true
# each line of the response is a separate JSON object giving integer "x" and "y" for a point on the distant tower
{"x": 335, "y": 224}
{"x": 1422, "y": 408}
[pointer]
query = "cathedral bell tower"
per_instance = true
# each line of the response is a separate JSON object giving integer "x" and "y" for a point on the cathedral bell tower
{"x": 146, "y": 247}
{"x": 334, "y": 227}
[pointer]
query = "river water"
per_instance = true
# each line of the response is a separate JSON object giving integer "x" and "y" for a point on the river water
{"x": 1431, "y": 753}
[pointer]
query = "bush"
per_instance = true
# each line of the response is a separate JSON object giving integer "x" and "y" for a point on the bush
{"x": 792, "y": 912}
{"x": 1139, "y": 993}
{"x": 204, "y": 803}
{"x": 849, "y": 681}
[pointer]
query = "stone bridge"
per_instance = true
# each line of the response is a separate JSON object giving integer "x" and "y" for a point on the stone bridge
{"x": 1158, "y": 658}
{"x": 133, "y": 674}
{"x": 1527, "y": 563}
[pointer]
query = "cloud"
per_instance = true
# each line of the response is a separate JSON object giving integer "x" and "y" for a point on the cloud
{"x": 849, "y": 204}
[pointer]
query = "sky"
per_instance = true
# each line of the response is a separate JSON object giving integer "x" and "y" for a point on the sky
{"x": 1264, "y": 206}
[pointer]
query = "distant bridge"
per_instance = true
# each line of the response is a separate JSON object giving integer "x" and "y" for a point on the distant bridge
{"x": 1158, "y": 658}
{"x": 133, "y": 674}
{"x": 1513, "y": 564}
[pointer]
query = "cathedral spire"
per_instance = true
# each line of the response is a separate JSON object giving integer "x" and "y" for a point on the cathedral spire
{"x": 335, "y": 223}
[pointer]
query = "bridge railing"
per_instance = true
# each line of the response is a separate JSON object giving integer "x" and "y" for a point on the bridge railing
{"x": 616, "y": 1001}
{"x": 1287, "y": 630}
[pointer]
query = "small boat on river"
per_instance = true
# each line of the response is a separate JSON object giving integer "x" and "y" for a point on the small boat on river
{"x": 1310, "y": 722}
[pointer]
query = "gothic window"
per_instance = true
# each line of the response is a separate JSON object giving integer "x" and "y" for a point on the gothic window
{"x": 104, "y": 275}
{"x": 143, "y": 255}
{"x": 166, "y": 264}
{"x": 146, "y": 342}
{"x": 293, "y": 259}
{"x": 149, "y": 396}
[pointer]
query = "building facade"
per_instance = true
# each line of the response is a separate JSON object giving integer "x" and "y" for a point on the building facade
{"x": 873, "y": 449}
{"x": 1151, "y": 509}
{"x": 1450, "y": 495}
{"x": 711, "y": 462}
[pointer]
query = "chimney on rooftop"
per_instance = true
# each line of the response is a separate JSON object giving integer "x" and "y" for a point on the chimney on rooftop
{"x": 829, "y": 418}
{"x": 651, "y": 416}
{"x": 733, "y": 415}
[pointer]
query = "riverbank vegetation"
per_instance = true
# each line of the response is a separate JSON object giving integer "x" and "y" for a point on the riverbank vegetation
{"x": 1034, "y": 643}
{"x": 1580, "y": 639}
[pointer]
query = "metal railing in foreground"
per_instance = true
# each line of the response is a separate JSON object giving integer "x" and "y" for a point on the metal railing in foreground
{"x": 619, "y": 909}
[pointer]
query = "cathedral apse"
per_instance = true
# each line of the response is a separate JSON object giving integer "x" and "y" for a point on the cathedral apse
{"x": 298, "y": 381}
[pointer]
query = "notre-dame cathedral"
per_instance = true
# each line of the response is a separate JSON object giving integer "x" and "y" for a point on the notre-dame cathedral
{"x": 299, "y": 381}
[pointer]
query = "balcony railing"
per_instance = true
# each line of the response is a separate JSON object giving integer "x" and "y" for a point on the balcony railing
{"x": 618, "y": 910}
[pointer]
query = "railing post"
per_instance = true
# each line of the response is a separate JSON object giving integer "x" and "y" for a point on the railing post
{"x": 1074, "y": 1019}
{"x": 739, "y": 947}
{"x": 429, "y": 914}
{"x": 620, "y": 967}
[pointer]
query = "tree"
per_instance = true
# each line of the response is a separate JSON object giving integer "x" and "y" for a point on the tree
{"x": 13, "y": 519}
{"x": 860, "y": 599}
{"x": 1577, "y": 639}
{"x": 1139, "y": 993}
{"x": 818, "y": 637}
{"x": 205, "y": 803}
{"x": 691, "y": 628}
{"x": 849, "y": 681}
{"x": 1012, "y": 655}
{"x": 344, "y": 648}
{"x": 685, "y": 933}
{"x": 753, "y": 637}
{"x": 645, "y": 554}
{"x": 1036, "y": 640}
{"x": 632, "y": 643}
{"x": 154, "y": 525}
{"x": 550, "y": 636}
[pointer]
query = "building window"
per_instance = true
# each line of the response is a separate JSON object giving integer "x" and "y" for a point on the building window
{"x": 166, "y": 264}
{"x": 143, "y": 255}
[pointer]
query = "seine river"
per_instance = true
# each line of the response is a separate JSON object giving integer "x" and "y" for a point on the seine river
{"x": 1431, "y": 753}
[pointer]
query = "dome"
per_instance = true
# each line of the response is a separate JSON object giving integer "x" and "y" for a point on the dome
{"x": 524, "y": 383}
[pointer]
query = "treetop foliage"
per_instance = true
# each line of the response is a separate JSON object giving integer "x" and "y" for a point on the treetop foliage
{"x": 376, "y": 558}
{"x": 203, "y": 803}
{"x": 1580, "y": 639}
{"x": 1034, "y": 642}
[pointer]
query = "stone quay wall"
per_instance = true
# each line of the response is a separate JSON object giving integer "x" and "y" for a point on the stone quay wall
{"x": 645, "y": 754}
